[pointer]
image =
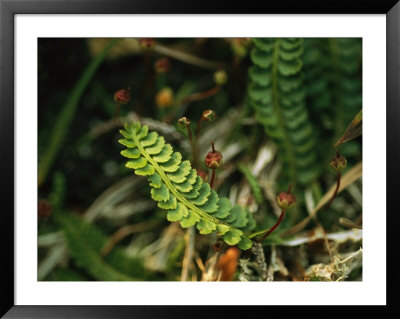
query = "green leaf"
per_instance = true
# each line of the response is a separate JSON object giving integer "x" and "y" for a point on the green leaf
{"x": 165, "y": 155}
{"x": 211, "y": 205}
{"x": 224, "y": 208}
{"x": 222, "y": 229}
{"x": 196, "y": 187}
{"x": 155, "y": 181}
{"x": 127, "y": 143}
{"x": 131, "y": 153}
{"x": 149, "y": 140}
{"x": 187, "y": 185}
{"x": 241, "y": 216}
{"x": 142, "y": 133}
{"x": 260, "y": 93}
{"x": 125, "y": 134}
{"x": 145, "y": 171}
{"x": 170, "y": 204}
{"x": 290, "y": 68}
{"x": 261, "y": 59}
{"x": 178, "y": 213}
{"x": 179, "y": 176}
{"x": 157, "y": 147}
{"x": 233, "y": 236}
{"x": 190, "y": 220}
{"x": 173, "y": 163}
{"x": 259, "y": 76}
{"x": 160, "y": 194}
{"x": 245, "y": 243}
{"x": 265, "y": 45}
{"x": 137, "y": 163}
{"x": 204, "y": 192}
{"x": 205, "y": 226}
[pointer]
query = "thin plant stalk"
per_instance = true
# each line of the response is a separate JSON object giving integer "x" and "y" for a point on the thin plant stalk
{"x": 201, "y": 95}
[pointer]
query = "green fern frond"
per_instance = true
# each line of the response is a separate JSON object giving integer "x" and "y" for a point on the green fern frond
{"x": 277, "y": 94}
{"x": 177, "y": 188}
{"x": 332, "y": 69}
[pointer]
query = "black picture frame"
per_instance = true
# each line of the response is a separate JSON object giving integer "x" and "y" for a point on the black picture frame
{"x": 8, "y": 10}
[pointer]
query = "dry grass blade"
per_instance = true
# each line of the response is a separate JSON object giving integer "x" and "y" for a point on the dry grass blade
{"x": 189, "y": 252}
{"x": 111, "y": 196}
{"x": 348, "y": 223}
{"x": 186, "y": 57}
{"x": 127, "y": 47}
{"x": 353, "y": 131}
{"x": 350, "y": 177}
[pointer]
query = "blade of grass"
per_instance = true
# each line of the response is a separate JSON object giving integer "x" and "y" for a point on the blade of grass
{"x": 66, "y": 115}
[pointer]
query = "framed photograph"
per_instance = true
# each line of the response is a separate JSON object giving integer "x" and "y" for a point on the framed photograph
{"x": 162, "y": 155}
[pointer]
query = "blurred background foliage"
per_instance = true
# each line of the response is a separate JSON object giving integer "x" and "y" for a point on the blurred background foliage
{"x": 279, "y": 115}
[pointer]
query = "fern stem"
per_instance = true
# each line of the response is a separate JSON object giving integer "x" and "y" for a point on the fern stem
{"x": 275, "y": 97}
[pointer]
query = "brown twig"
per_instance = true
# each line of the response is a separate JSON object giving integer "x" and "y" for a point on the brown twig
{"x": 186, "y": 57}
{"x": 201, "y": 95}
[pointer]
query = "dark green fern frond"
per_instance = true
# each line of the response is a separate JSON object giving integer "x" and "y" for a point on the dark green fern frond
{"x": 178, "y": 189}
{"x": 276, "y": 92}
{"x": 332, "y": 69}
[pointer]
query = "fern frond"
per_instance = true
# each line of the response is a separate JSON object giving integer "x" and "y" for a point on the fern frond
{"x": 177, "y": 188}
{"x": 332, "y": 69}
{"x": 277, "y": 94}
